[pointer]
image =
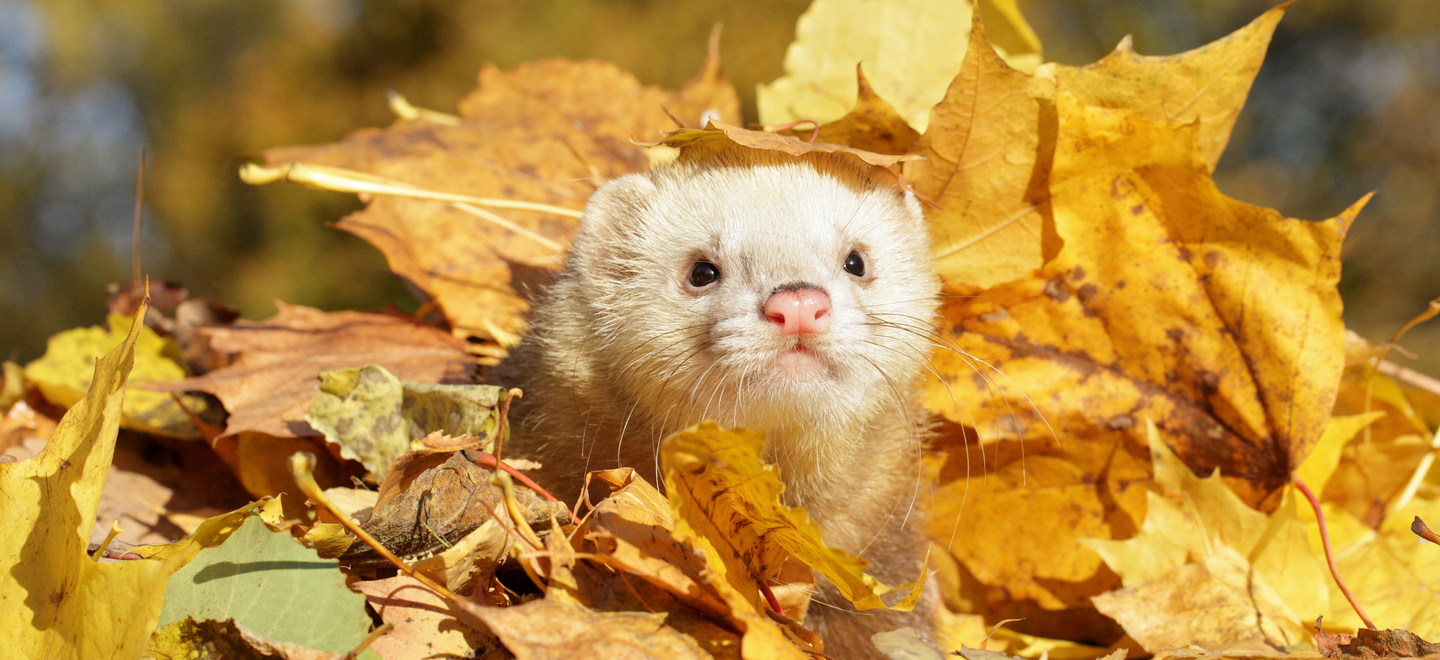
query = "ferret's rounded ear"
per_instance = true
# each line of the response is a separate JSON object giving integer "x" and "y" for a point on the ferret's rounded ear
{"x": 615, "y": 202}
{"x": 609, "y": 216}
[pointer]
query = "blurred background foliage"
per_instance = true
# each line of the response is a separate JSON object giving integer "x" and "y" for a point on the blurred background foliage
{"x": 1346, "y": 103}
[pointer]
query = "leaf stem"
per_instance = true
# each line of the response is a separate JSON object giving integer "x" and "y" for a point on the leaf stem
{"x": 370, "y": 639}
{"x": 1424, "y": 532}
{"x": 1330, "y": 555}
{"x": 770, "y": 597}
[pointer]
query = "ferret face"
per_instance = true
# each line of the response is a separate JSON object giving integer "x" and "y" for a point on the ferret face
{"x": 760, "y": 290}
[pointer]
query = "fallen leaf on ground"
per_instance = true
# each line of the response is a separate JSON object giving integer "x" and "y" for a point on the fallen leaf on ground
{"x": 1215, "y": 601}
{"x": 63, "y": 375}
{"x": 632, "y": 528}
{"x": 61, "y": 602}
{"x": 1368, "y": 644}
{"x": 430, "y": 501}
{"x": 238, "y": 579}
{"x": 1188, "y": 517}
{"x": 426, "y": 625}
{"x": 188, "y": 638}
{"x": 273, "y": 382}
{"x": 555, "y": 626}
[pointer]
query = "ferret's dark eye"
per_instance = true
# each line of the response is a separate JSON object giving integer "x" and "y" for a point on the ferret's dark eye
{"x": 703, "y": 274}
{"x": 855, "y": 265}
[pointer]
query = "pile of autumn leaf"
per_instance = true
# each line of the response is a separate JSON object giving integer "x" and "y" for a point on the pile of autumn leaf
{"x": 1113, "y": 326}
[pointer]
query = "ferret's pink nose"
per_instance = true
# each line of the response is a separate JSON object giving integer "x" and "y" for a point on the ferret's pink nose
{"x": 799, "y": 312}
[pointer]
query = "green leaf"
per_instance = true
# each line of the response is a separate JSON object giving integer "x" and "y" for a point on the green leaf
{"x": 273, "y": 586}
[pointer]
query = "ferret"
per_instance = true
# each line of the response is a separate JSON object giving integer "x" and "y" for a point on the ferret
{"x": 791, "y": 294}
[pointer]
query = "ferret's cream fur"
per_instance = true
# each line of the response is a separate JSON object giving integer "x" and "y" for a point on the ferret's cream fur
{"x": 623, "y": 352}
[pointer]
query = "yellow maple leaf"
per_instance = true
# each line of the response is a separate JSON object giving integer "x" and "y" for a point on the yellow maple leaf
{"x": 64, "y": 603}
{"x": 1207, "y": 85}
{"x": 983, "y": 150}
{"x": 1191, "y": 519}
{"x": 64, "y": 373}
{"x": 1157, "y": 305}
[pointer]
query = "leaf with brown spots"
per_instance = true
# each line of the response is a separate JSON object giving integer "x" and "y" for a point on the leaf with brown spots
{"x": 1218, "y": 320}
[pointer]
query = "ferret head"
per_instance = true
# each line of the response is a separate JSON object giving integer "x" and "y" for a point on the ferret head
{"x": 790, "y": 294}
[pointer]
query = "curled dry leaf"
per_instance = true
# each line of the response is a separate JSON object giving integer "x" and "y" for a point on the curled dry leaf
{"x": 633, "y": 529}
{"x": 431, "y": 502}
{"x": 1368, "y": 644}
{"x": 544, "y": 134}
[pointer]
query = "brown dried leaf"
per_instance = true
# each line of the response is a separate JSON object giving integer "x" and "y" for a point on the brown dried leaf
{"x": 556, "y": 626}
{"x": 430, "y": 501}
{"x": 632, "y": 528}
{"x": 719, "y": 130}
{"x": 547, "y": 132}
{"x": 1370, "y": 644}
{"x": 271, "y": 385}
